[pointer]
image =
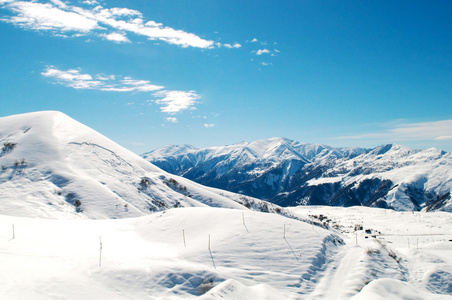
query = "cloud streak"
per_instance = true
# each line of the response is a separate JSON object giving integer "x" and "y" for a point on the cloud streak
{"x": 171, "y": 102}
{"x": 75, "y": 79}
{"x": 432, "y": 131}
{"x": 262, "y": 51}
{"x": 109, "y": 23}
{"x": 175, "y": 101}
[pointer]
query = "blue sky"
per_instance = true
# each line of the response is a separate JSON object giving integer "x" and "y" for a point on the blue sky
{"x": 210, "y": 73}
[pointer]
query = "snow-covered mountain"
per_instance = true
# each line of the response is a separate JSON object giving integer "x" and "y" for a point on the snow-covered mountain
{"x": 53, "y": 166}
{"x": 290, "y": 173}
{"x": 63, "y": 174}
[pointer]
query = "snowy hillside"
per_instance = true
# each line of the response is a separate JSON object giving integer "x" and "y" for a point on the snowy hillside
{"x": 83, "y": 218}
{"x": 290, "y": 173}
{"x": 216, "y": 253}
{"x": 54, "y": 167}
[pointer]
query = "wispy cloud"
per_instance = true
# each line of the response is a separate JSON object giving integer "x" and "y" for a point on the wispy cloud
{"x": 262, "y": 51}
{"x": 116, "y": 37}
{"x": 39, "y": 16}
{"x": 236, "y": 45}
{"x": 171, "y": 102}
{"x": 61, "y": 18}
{"x": 437, "y": 130}
{"x": 209, "y": 125}
{"x": 172, "y": 120}
{"x": 90, "y": 2}
{"x": 175, "y": 101}
{"x": 75, "y": 79}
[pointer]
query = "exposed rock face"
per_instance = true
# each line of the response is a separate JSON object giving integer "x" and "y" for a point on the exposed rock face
{"x": 289, "y": 173}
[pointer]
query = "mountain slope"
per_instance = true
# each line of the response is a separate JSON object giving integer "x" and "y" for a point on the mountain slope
{"x": 290, "y": 173}
{"x": 53, "y": 166}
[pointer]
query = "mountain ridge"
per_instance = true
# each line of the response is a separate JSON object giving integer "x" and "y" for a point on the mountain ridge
{"x": 55, "y": 167}
{"x": 288, "y": 173}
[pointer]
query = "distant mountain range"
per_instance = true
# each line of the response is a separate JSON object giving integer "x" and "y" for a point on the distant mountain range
{"x": 289, "y": 173}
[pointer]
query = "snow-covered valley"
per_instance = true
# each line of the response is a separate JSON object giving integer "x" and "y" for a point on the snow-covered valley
{"x": 217, "y": 253}
{"x": 83, "y": 218}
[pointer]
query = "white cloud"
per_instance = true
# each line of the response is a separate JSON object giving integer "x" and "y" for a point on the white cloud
{"x": 437, "y": 130}
{"x": 176, "y": 101}
{"x": 254, "y": 40}
{"x": 443, "y": 138}
{"x": 172, "y": 120}
{"x": 58, "y": 17}
{"x": 90, "y": 2}
{"x": 40, "y": 16}
{"x": 262, "y": 51}
{"x": 116, "y": 37}
{"x": 236, "y": 45}
{"x": 266, "y": 64}
{"x": 73, "y": 78}
{"x": 209, "y": 125}
{"x": 171, "y": 101}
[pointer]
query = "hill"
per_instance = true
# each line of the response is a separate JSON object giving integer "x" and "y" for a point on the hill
{"x": 55, "y": 167}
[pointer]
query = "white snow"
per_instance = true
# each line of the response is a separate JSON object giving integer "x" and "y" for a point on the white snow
{"x": 115, "y": 247}
{"x": 252, "y": 254}
{"x": 323, "y": 180}
{"x": 56, "y": 161}
{"x": 406, "y": 255}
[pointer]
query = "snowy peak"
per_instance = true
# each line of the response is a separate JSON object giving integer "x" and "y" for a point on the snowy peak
{"x": 287, "y": 172}
{"x": 391, "y": 149}
{"x": 55, "y": 167}
{"x": 171, "y": 150}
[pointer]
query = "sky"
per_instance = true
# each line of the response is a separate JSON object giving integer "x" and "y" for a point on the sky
{"x": 149, "y": 73}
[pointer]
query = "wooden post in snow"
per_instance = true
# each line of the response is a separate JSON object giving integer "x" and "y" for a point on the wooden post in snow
{"x": 209, "y": 242}
{"x": 243, "y": 218}
{"x": 100, "y": 251}
{"x": 14, "y": 234}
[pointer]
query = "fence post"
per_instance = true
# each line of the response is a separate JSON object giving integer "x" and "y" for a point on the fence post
{"x": 100, "y": 251}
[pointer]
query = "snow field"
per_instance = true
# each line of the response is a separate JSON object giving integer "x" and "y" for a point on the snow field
{"x": 409, "y": 257}
{"x": 145, "y": 257}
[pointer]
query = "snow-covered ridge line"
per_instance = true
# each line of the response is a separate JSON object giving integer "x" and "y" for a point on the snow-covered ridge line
{"x": 290, "y": 173}
{"x": 55, "y": 167}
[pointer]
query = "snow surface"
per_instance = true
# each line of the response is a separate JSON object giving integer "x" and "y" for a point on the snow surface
{"x": 127, "y": 241}
{"x": 289, "y": 173}
{"x": 167, "y": 255}
{"x": 417, "y": 244}
{"x": 57, "y": 166}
